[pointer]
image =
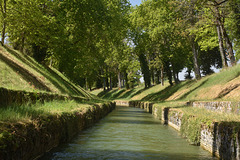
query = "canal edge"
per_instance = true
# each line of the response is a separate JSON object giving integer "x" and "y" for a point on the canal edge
{"x": 33, "y": 140}
{"x": 221, "y": 139}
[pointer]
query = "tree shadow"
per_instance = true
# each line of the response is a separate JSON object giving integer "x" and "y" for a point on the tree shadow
{"x": 166, "y": 93}
{"x": 25, "y": 74}
{"x": 111, "y": 94}
{"x": 56, "y": 81}
{"x": 188, "y": 93}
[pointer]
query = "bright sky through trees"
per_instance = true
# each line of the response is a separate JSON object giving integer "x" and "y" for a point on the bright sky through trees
{"x": 135, "y": 2}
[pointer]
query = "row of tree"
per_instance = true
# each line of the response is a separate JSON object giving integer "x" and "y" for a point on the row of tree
{"x": 106, "y": 43}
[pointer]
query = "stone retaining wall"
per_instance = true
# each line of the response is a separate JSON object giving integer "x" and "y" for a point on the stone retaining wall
{"x": 147, "y": 106}
{"x": 24, "y": 141}
{"x": 122, "y": 103}
{"x": 224, "y": 106}
{"x": 174, "y": 118}
{"x": 222, "y": 139}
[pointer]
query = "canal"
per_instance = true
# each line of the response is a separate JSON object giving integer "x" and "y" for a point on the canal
{"x": 128, "y": 133}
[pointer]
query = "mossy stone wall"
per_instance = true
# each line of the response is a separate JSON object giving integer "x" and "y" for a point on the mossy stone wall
{"x": 223, "y": 106}
{"x": 222, "y": 139}
{"x": 24, "y": 141}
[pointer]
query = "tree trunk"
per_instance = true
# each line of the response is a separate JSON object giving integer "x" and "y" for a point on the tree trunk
{"x": 104, "y": 83}
{"x": 224, "y": 35}
{"x": 104, "y": 80}
{"x": 195, "y": 60}
{"x": 175, "y": 74}
{"x": 4, "y": 13}
{"x": 22, "y": 43}
{"x": 152, "y": 75}
{"x": 228, "y": 45}
{"x": 169, "y": 73}
{"x": 145, "y": 70}
{"x": 119, "y": 80}
{"x": 193, "y": 43}
{"x": 126, "y": 80}
{"x": 221, "y": 48}
{"x": 111, "y": 82}
{"x": 220, "y": 35}
{"x": 162, "y": 75}
{"x": 158, "y": 77}
{"x": 107, "y": 83}
{"x": 86, "y": 83}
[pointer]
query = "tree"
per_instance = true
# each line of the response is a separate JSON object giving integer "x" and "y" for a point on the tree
{"x": 214, "y": 14}
{"x": 3, "y": 22}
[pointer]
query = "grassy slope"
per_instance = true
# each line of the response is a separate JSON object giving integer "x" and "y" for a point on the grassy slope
{"x": 220, "y": 86}
{"x": 21, "y": 72}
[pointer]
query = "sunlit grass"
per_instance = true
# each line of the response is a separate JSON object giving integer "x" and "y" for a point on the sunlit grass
{"x": 208, "y": 88}
{"x": 17, "y": 113}
{"x": 210, "y": 115}
{"x": 200, "y": 112}
{"x": 12, "y": 80}
{"x": 50, "y": 77}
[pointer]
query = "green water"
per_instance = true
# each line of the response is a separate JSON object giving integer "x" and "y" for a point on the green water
{"x": 128, "y": 133}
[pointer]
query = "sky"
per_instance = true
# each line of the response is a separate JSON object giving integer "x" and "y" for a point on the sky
{"x": 135, "y": 2}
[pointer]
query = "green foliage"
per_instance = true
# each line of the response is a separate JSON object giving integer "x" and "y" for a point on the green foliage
{"x": 93, "y": 41}
{"x": 191, "y": 128}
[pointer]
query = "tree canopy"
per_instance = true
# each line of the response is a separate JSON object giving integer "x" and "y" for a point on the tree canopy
{"x": 109, "y": 43}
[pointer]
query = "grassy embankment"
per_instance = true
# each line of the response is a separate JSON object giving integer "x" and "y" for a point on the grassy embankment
{"x": 223, "y": 86}
{"x": 30, "y": 124}
{"x": 21, "y": 72}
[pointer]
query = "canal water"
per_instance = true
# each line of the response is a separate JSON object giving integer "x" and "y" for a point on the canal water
{"x": 128, "y": 134}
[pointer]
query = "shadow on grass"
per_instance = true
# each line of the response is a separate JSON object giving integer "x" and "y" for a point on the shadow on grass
{"x": 111, "y": 94}
{"x": 25, "y": 74}
{"x": 58, "y": 79}
{"x": 166, "y": 93}
{"x": 192, "y": 90}
{"x": 132, "y": 93}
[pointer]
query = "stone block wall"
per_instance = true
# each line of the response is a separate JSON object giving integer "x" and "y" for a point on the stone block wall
{"x": 147, "y": 106}
{"x": 221, "y": 139}
{"x": 175, "y": 119}
{"x": 207, "y": 138}
{"x": 224, "y": 106}
{"x": 122, "y": 103}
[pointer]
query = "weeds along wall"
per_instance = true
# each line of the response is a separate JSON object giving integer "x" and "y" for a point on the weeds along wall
{"x": 222, "y": 139}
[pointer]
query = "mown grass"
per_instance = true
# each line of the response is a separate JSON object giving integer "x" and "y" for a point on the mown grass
{"x": 210, "y": 115}
{"x": 199, "y": 112}
{"x": 15, "y": 113}
{"x": 118, "y": 93}
{"x": 189, "y": 90}
{"x": 12, "y": 80}
{"x": 50, "y": 77}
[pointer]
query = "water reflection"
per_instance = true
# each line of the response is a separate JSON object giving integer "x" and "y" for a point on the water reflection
{"x": 128, "y": 133}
